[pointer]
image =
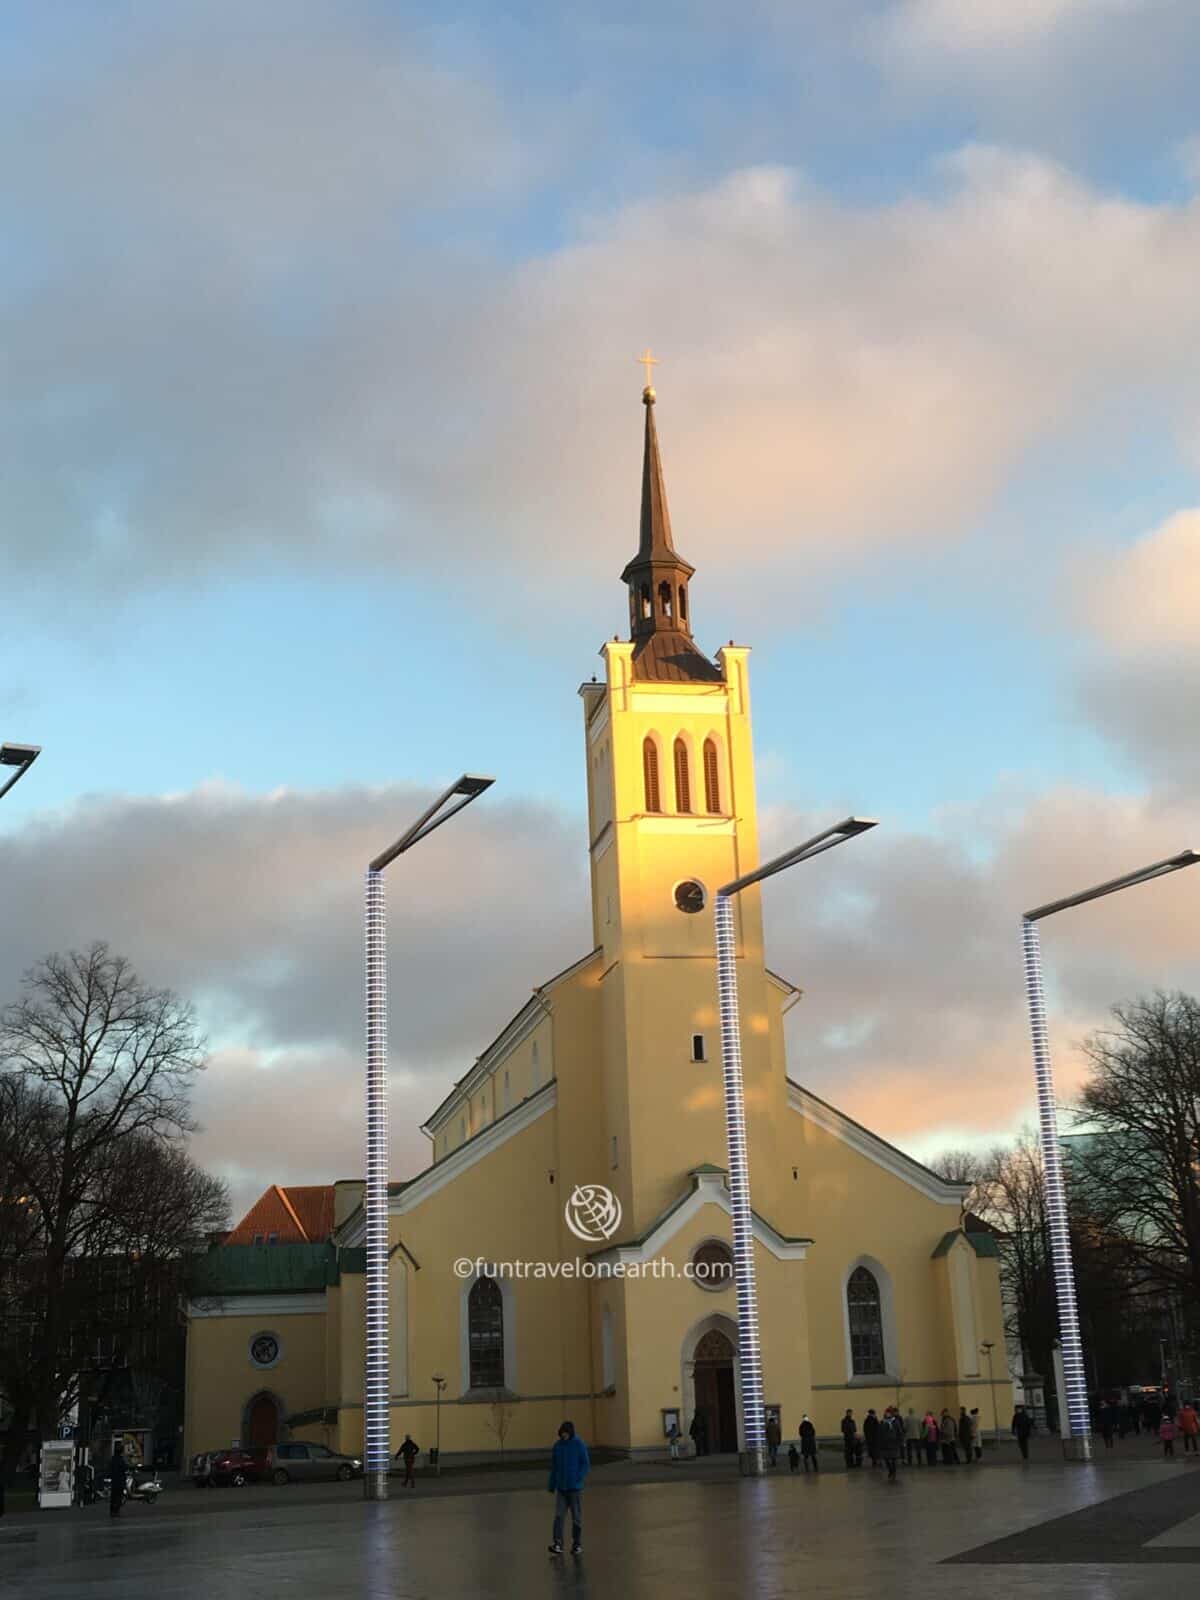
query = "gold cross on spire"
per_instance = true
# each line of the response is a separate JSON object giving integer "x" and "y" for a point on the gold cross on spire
{"x": 649, "y": 362}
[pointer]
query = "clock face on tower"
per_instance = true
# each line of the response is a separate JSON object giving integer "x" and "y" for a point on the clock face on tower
{"x": 690, "y": 896}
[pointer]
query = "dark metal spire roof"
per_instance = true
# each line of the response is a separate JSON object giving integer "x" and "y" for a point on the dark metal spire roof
{"x": 660, "y": 609}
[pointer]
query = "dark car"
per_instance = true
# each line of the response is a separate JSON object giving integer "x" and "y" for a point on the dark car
{"x": 234, "y": 1467}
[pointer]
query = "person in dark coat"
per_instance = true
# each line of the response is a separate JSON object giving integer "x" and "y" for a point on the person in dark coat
{"x": 849, "y": 1438}
{"x": 808, "y": 1444}
{"x": 699, "y": 1433}
{"x": 890, "y": 1441}
{"x": 793, "y": 1458}
{"x": 774, "y": 1438}
{"x": 871, "y": 1435}
{"x": 408, "y": 1453}
{"x": 569, "y": 1467}
{"x": 117, "y": 1479}
{"x": 1022, "y": 1427}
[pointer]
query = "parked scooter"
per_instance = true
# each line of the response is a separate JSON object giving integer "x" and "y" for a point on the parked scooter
{"x": 147, "y": 1492}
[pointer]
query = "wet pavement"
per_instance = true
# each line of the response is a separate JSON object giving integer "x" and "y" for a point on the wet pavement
{"x": 1044, "y": 1530}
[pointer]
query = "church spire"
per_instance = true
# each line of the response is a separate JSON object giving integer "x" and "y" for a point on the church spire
{"x": 658, "y": 577}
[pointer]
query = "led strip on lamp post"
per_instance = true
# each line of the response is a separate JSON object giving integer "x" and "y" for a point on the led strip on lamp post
{"x": 1074, "y": 1378}
{"x": 740, "y": 1214}
{"x": 1077, "y": 1440}
{"x": 377, "y": 1384}
{"x": 376, "y": 1417}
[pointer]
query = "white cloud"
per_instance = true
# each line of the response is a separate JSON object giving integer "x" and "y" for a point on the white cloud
{"x": 985, "y": 25}
{"x": 1147, "y": 598}
{"x": 907, "y": 948}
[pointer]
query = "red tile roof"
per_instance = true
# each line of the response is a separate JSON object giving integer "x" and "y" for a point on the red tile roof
{"x": 297, "y": 1214}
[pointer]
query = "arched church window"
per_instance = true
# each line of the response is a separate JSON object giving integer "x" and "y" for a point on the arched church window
{"x": 485, "y": 1334}
{"x": 682, "y": 603}
{"x": 712, "y": 782}
{"x": 683, "y": 787}
{"x": 645, "y": 595}
{"x": 866, "y": 1323}
{"x": 665, "y": 602}
{"x": 650, "y": 775}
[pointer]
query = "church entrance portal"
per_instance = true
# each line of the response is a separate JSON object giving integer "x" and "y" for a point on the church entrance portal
{"x": 715, "y": 1400}
{"x": 262, "y": 1421}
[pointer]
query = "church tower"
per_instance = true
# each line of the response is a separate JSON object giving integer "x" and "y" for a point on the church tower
{"x": 672, "y": 817}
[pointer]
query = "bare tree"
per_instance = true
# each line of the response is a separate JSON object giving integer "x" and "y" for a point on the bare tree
{"x": 1141, "y": 1169}
{"x": 500, "y": 1418}
{"x": 96, "y": 1068}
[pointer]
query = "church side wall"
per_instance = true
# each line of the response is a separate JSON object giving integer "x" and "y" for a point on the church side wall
{"x": 503, "y": 1209}
{"x": 857, "y": 1211}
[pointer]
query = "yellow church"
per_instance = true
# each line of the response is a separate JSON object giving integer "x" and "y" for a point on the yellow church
{"x": 510, "y": 1306}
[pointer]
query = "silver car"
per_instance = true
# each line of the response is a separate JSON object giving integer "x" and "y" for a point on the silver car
{"x": 306, "y": 1463}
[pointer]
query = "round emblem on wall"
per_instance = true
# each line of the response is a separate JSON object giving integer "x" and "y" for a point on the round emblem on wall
{"x": 712, "y": 1264}
{"x": 690, "y": 896}
{"x": 265, "y": 1349}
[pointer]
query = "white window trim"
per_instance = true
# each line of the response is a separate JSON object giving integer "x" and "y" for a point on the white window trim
{"x": 509, "y": 1312}
{"x": 887, "y": 1315}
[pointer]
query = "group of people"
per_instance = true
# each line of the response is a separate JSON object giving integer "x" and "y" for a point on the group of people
{"x": 917, "y": 1440}
{"x": 1165, "y": 1419}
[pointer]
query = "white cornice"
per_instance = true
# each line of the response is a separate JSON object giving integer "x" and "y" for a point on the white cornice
{"x": 354, "y": 1229}
{"x": 710, "y": 1190}
{"x": 257, "y": 1305}
{"x": 874, "y": 1148}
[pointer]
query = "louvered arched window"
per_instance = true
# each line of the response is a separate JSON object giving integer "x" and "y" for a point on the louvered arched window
{"x": 866, "y": 1323}
{"x": 683, "y": 786}
{"x": 712, "y": 782}
{"x": 485, "y": 1334}
{"x": 650, "y": 775}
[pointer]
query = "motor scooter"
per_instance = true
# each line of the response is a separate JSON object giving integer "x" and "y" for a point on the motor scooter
{"x": 147, "y": 1492}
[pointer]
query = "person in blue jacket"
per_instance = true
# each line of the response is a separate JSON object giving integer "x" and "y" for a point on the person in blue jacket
{"x": 569, "y": 1466}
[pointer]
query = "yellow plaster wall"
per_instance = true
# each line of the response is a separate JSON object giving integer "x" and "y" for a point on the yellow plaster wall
{"x": 220, "y": 1377}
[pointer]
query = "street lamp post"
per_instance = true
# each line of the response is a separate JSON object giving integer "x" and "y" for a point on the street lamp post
{"x": 376, "y": 1397}
{"x": 1077, "y": 1439}
{"x": 740, "y": 1211}
{"x": 437, "y": 1412}
{"x": 20, "y": 756}
{"x": 987, "y": 1347}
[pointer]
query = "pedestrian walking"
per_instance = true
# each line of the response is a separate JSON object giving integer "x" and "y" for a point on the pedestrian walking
{"x": 408, "y": 1453}
{"x": 948, "y": 1433}
{"x": 673, "y": 1437}
{"x": 117, "y": 1480}
{"x": 891, "y": 1441}
{"x": 912, "y": 1438}
{"x": 1188, "y": 1424}
{"x": 808, "y": 1444}
{"x": 793, "y": 1458}
{"x": 849, "y": 1438}
{"x": 774, "y": 1439}
{"x": 1108, "y": 1423}
{"x": 1166, "y": 1432}
{"x": 929, "y": 1436}
{"x": 569, "y": 1467}
{"x": 1022, "y": 1427}
{"x": 976, "y": 1434}
{"x": 870, "y": 1430}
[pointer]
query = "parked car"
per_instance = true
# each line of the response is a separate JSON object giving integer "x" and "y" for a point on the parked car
{"x": 307, "y": 1463}
{"x": 233, "y": 1467}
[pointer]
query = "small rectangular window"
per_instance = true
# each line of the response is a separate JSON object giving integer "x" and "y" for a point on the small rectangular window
{"x": 698, "y": 1047}
{"x": 272, "y": 1238}
{"x": 258, "y": 1238}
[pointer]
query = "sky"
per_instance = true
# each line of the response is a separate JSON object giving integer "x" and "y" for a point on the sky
{"x": 319, "y": 463}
